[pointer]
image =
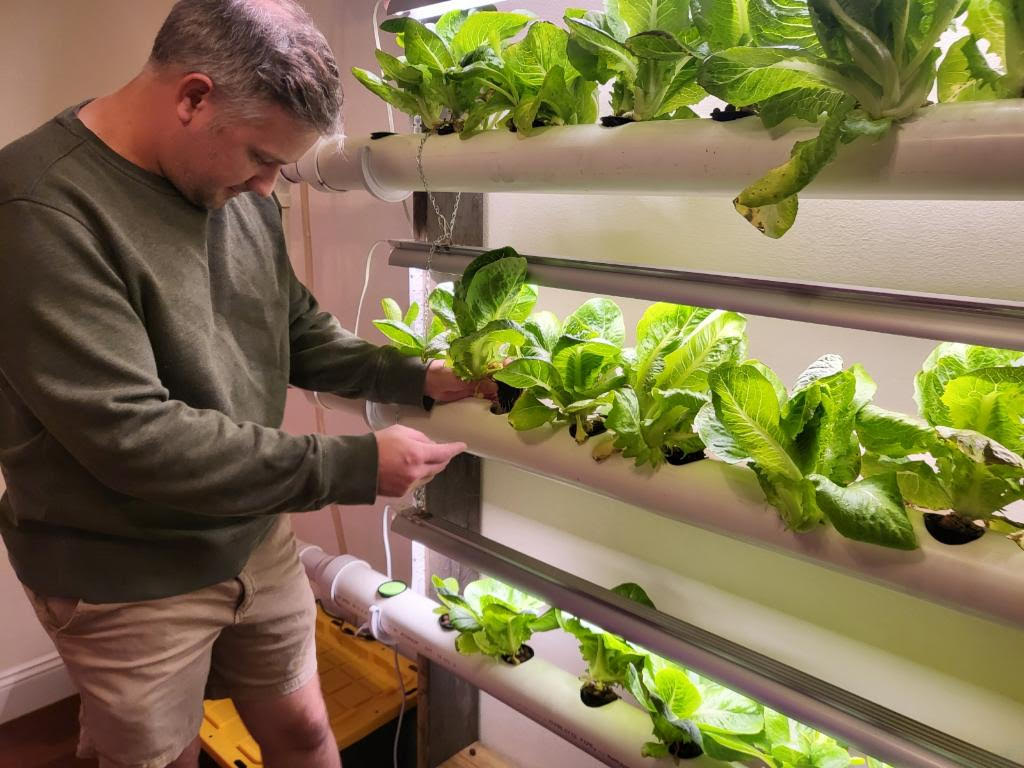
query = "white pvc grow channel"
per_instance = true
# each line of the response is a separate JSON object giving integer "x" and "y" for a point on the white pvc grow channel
{"x": 965, "y": 151}
{"x": 858, "y": 721}
{"x": 546, "y": 694}
{"x": 985, "y": 577}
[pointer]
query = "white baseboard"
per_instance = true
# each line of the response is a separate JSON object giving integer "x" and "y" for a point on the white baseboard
{"x": 37, "y": 683}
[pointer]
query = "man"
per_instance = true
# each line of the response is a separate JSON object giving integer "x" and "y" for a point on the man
{"x": 151, "y": 325}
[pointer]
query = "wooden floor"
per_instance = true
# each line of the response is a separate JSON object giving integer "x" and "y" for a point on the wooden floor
{"x": 47, "y": 739}
{"x": 477, "y": 756}
{"x": 43, "y": 739}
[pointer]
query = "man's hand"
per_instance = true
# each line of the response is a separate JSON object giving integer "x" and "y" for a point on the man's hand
{"x": 443, "y": 386}
{"x": 407, "y": 459}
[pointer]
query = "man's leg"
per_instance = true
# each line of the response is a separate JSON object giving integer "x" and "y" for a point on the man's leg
{"x": 292, "y": 730}
{"x": 190, "y": 757}
{"x": 140, "y": 669}
{"x": 266, "y": 660}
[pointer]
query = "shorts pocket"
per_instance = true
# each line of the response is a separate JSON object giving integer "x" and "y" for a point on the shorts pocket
{"x": 55, "y": 613}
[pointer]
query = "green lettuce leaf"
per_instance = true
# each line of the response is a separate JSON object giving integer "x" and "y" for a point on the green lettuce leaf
{"x": 483, "y": 352}
{"x": 530, "y": 412}
{"x": 770, "y": 203}
{"x": 893, "y": 434}
{"x": 488, "y": 28}
{"x": 742, "y": 424}
{"x": 967, "y": 73}
{"x": 727, "y": 712}
{"x": 745, "y": 76}
{"x": 869, "y": 510}
{"x": 597, "y": 318}
{"x": 588, "y": 369}
{"x": 945, "y": 363}
{"x": 989, "y": 401}
{"x": 671, "y": 16}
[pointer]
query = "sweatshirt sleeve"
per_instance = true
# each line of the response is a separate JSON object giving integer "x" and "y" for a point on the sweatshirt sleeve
{"x": 327, "y": 358}
{"x": 77, "y": 354}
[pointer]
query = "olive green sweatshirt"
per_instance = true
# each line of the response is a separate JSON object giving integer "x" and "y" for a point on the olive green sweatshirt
{"x": 146, "y": 346}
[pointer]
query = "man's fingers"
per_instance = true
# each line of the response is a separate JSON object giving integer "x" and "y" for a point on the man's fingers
{"x": 442, "y": 453}
{"x": 427, "y": 478}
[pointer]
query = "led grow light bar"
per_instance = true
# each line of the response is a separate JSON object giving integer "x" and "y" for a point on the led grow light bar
{"x": 420, "y": 10}
{"x": 989, "y": 322}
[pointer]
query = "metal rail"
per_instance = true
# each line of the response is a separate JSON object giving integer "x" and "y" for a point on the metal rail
{"x": 989, "y": 322}
{"x": 874, "y": 729}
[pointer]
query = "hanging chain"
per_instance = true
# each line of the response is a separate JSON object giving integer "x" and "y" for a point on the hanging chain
{"x": 446, "y": 227}
{"x": 446, "y": 231}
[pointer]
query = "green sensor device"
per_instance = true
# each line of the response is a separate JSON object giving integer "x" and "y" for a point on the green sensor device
{"x": 392, "y": 588}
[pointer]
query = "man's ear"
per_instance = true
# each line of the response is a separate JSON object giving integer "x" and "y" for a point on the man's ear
{"x": 192, "y": 96}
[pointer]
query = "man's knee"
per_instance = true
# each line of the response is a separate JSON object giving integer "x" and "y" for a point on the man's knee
{"x": 189, "y": 758}
{"x": 305, "y": 732}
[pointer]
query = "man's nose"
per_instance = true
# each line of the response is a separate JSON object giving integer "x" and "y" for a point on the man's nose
{"x": 263, "y": 182}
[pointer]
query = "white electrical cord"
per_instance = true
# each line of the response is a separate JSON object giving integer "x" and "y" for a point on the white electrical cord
{"x": 387, "y": 538}
{"x": 374, "y": 628}
{"x": 401, "y": 710}
{"x": 386, "y": 519}
{"x": 366, "y": 283}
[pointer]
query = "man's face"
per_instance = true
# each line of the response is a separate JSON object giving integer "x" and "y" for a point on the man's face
{"x": 221, "y": 156}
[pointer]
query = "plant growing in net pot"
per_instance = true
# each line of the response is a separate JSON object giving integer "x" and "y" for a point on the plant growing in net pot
{"x": 607, "y": 655}
{"x": 574, "y": 381}
{"x": 434, "y": 79}
{"x": 969, "y": 479}
{"x": 987, "y": 63}
{"x": 484, "y": 311}
{"x": 492, "y": 618}
{"x": 530, "y": 84}
{"x": 803, "y": 448}
{"x": 693, "y": 715}
{"x": 670, "y": 699}
{"x": 874, "y": 65}
{"x": 645, "y": 46}
{"x": 400, "y": 330}
{"x": 676, "y": 347}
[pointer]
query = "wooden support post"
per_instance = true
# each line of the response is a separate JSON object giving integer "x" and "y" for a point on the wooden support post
{"x": 448, "y": 710}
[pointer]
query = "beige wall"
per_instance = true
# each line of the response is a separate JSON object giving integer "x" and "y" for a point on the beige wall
{"x": 59, "y": 52}
{"x": 344, "y": 228}
{"x": 56, "y": 53}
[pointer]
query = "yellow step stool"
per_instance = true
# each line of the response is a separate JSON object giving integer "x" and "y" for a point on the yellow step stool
{"x": 358, "y": 679}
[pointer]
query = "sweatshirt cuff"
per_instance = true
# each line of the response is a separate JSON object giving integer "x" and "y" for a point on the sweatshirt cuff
{"x": 403, "y": 381}
{"x": 351, "y": 469}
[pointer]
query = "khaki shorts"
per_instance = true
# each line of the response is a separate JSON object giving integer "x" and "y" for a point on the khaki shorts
{"x": 142, "y": 668}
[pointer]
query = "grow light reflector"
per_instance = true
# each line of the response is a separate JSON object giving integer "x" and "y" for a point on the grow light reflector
{"x": 424, "y": 9}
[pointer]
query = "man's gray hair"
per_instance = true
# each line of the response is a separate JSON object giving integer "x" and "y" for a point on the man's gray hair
{"x": 255, "y": 51}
